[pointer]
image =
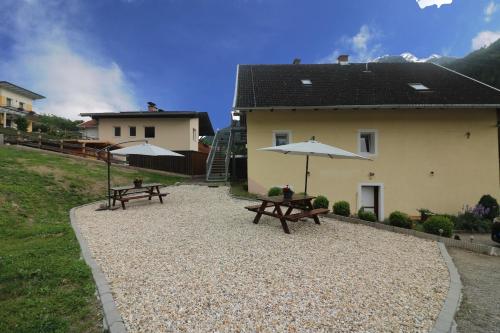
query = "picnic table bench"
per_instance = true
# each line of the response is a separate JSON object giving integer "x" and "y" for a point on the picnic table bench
{"x": 298, "y": 202}
{"x": 131, "y": 192}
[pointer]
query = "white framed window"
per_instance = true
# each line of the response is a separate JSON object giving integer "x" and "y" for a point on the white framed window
{"x": 282, "y": 138}
{"x": 117, "y": 130}
{"x": 195, "y": 135}
{"x": 132, "y": 131}
{"x": 367, "y": 142}
{"x": 9, "y": 101}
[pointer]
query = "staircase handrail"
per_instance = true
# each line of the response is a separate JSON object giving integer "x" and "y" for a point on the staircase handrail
{"x": 211, "y": 155}
{"x": 228, "y": 152}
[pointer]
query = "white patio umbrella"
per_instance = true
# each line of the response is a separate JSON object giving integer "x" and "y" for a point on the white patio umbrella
{"x": 313, "y": 148}
{"x": 145, "y": 149}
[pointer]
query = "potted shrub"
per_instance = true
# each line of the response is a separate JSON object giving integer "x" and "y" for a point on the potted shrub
{"x": 342, "y": 208}
{"x": 366, "y": 215}
{"x": 138, "y": 182}
{"x": 439, "y": 225}
{"x": 321, "y": 202}
{"x": 400, "y": 219}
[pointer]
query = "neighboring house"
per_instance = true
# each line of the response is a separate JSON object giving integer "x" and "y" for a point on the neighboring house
{"x": 88, "y": 130}
{"x": 16, "y": 102}
{"x": 174, "y": 130}
{"x": 431, "y": 133}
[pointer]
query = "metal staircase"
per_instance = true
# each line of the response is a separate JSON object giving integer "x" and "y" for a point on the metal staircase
{"x": 220, "y": 154}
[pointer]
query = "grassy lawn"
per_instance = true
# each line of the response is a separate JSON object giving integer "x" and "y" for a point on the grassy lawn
{"x": 44, "y": 285}
{"x": 239, "y": 190}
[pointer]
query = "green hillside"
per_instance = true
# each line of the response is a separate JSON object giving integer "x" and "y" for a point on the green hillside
{"x": 483, "y": 65}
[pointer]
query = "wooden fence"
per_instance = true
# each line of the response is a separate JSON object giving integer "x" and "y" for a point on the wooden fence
{"x": 60, "y": 146}
{"x": 193, "y": 163}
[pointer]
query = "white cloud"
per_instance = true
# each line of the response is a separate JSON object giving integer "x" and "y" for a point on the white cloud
{"x": 55, "y": 60}
{"x": 484, "y": 39}
{"x": 362, "y": 46}
{"x": 490, "y": 10}
{"x": 438, "y": 3}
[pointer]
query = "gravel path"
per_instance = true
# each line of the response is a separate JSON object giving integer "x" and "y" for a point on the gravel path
{"x": 480, "y": 308}
{"x": 198, "y": 263}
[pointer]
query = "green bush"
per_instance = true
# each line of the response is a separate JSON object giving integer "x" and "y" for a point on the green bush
{"x": 400, "y": 219}
{"x": 491, "y": 204}
{"x": 469, "y": 221}
{"x": 321, "y": 202}
{"x": 434, "y": 223}
{"x": 342, "y": 208}
{"x": 22, "y": 124}
{"x": 274, "y": 191}
{"x": 366, "y": 215}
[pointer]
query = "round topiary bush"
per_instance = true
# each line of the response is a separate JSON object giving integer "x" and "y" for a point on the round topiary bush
{"x": 400, "y": 219}
{"x": 321, "y": 202}
{"x": 491, "y": 204}
{"x": 434, "y": 223}
{"x": 366, "y": 215}
{"x": 342, "y": 208}
{"x": 274, "y": 191}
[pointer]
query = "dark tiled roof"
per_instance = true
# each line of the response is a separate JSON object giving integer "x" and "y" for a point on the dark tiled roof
{"x": 204, "y": 120}
{"x": 351, "y": 85}
{"x": 20, "y": 90}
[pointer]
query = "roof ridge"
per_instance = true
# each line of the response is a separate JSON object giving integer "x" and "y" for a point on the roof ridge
{"x": 468, "y": 77}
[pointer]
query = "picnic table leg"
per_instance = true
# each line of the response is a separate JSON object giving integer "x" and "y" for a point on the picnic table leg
{"x": 282, "y": 218}
{"x": 159, "y": 194}
{"x": 150, "y": 192}
{"x": 114, "y": 198}
{"x": 121, "y": 197}
{"x": 315, "y": 216}
{"x": 259, "y": 212}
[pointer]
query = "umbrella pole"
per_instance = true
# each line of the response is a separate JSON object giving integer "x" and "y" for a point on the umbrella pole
{"x": 109, "y": 179}
{"x": 307, "y": 171}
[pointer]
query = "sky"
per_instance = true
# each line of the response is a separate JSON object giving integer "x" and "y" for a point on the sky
{"x": 116, "y": 55}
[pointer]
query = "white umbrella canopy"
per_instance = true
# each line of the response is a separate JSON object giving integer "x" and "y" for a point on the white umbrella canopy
{"x": 145, "y": 149}
{"x": 313, "y": 148}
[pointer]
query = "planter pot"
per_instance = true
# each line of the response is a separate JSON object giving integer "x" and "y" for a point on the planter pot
{"x": 137, "y": 183}
{"x": 287, "y": 195}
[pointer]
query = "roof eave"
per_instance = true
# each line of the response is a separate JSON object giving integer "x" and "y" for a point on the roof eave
{"x": 378, "y": 106}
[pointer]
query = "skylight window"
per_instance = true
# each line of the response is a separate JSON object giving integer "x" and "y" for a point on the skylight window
{"x": 307, "y": 82}
{"x": 418, "y": 86}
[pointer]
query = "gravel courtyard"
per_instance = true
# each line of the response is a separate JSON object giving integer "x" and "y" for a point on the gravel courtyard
{"x": 198, "y": 263}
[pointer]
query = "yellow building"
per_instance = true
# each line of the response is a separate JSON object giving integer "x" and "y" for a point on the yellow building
{"x": 431, "y": 133}
{"x": 16, "y": 102}
{"x": 174, "y": 130}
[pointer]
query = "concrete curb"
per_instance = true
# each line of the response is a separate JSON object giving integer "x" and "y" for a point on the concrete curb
{"x": 445, "y": 323}
{"x": 112, "y": 320}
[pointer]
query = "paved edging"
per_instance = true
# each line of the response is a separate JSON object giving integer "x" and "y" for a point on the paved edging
{"x": 445, "y": 323}
{"x": 112, "y": 320}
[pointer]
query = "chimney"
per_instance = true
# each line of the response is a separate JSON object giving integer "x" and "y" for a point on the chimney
{"x": 152, "y": 107}
{"x": 296, "y": 61}
{"x": 343, "y": 59}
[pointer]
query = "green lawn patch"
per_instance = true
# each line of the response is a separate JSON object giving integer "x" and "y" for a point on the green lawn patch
{"x": 239, "y": 189}
{"x": 44, "y": 284}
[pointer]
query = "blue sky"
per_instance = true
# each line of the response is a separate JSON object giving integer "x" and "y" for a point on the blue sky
{"x": 111, "y": 55}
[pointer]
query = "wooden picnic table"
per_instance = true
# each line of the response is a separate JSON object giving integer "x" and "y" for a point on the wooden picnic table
{"x": 298, "y": 201}
{"x": 131, "y": 192}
